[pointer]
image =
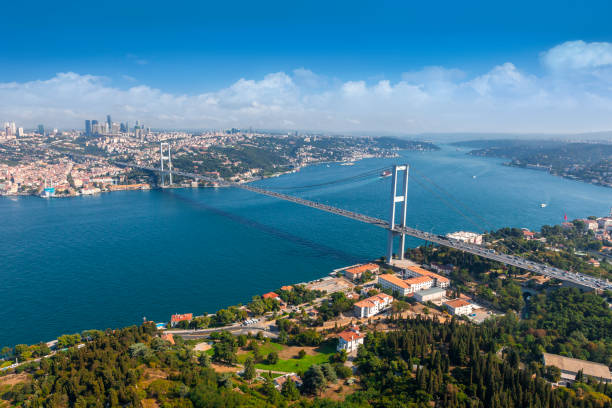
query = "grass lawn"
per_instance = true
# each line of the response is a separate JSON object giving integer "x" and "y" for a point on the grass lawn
{"x": 264, "y": 349}
{"x": 301, "y": 364}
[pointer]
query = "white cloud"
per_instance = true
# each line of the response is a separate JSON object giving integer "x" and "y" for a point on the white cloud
{"x": 578, "y": 55}
{"x": 577, "y": 98}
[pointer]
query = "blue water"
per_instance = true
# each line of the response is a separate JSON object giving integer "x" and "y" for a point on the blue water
{"x": 108, "y": 261}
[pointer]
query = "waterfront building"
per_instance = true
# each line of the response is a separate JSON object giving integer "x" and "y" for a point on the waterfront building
{"x": 466, "y": 236}
{"x": 180, "y": 318}
{"x": 416, "y": 271}
{"x": 458, "y": 307}
{"x": 571, "y": 366}
{"x": 429, "y": 295}
{"x": 356, "y": 272}
{"x": 395, "y": 284}
{"x": 349, "y": 340}
{"x": 373, "y": 305}
{"x": 271, "y": 295}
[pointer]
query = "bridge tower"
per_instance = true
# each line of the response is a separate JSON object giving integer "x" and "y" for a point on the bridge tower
{"x": 398, "y": 171}
{"x": 168, "y": 159}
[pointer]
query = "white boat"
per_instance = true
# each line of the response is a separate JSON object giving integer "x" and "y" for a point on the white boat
{"x": 543, "y": 205}
{"x": 348, "y": 164}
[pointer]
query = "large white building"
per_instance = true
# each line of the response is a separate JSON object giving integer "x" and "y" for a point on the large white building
{"x": 349, "y": 340}
{"x": 466, "y": 236}
{"x": 430, "y": 294}
{"x": 416, "y": 272}
{"x": 458, "y": 307}
{"x": 394, "y": 284}
{"x": 373, "y": 305}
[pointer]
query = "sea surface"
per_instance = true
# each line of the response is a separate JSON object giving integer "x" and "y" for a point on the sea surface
{"x": 110, "y": 260}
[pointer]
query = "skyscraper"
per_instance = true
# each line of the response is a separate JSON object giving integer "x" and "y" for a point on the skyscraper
{"x": 41, "y": 130}
{"x": 109, "y": 122}
{"x": 88, "y": 127}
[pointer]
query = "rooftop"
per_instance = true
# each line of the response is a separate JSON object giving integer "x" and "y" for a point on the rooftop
{"x": 431, "y": 291}
{"x": 181, "y": 317}
{"x": 394, "y": 280}
{"x": 362, "y": 268}
{"x": 418, "y": 280}
{"x": 350, "y": 335}
{"x": 455, "y": 303}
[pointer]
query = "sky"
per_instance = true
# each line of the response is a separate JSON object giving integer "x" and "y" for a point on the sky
{"x": 342, "y": 66}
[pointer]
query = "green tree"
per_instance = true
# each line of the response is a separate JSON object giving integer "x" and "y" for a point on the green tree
{"x": 314, "y": 380}
{"x": 272, "y": 358}
{"x": 249, "y": 369}
{"x": 290, "y": 390}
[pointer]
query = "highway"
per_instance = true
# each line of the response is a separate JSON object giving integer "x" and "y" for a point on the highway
{"x": 517, "y": 261}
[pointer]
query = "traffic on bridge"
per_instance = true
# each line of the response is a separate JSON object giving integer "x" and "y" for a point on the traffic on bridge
{"x": 507, "y": 259}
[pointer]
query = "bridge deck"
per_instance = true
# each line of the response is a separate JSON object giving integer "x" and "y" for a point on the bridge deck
{"x": 517, "y": 261}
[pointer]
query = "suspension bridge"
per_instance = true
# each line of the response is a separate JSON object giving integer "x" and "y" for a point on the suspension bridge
{"x": 400, "y": 175}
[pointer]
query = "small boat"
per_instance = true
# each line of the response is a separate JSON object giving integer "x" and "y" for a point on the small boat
{"x": 543, "y": 205}
{"x": 348, "y": 164}
{"x": 385, "y": 173}
{"x": 473, "y": 177}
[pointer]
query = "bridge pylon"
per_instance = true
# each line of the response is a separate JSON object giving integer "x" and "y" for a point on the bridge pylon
{"x": 398, "y": 171}
{"x": 168, "y": 159}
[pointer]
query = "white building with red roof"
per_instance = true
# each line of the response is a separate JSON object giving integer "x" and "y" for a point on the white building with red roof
{"x": 356, "y": 272}
{"x": 458, "y": 307}
{"x": 271, "y": 295}
{"x": 180, "y": 318}
{"x": 373, "y": 305}
{"x": 349, "y": 340}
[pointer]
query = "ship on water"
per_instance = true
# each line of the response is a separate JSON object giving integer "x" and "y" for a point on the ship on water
{"x": 385, "y": 173}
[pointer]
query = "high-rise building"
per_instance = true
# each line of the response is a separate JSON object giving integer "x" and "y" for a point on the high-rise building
{"x": 88, "y": 127}
{"x": 109, "y": 122}
{"x": 20, "y": 132}
{"x": 41, "y": 130}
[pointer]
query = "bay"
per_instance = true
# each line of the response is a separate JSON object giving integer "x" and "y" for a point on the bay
{"x": 109, "y": 260}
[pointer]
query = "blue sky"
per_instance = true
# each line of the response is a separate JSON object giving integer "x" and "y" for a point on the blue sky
{"x": 193, "y": 48}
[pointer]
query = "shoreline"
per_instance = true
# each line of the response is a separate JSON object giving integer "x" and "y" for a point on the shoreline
{"x": 247, "y": 181}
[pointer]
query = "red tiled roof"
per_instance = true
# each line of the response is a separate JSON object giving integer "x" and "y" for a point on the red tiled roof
{"x": 455, "y": 303}
{"x": 181, "y": 317}
{"x": 362, "y": 268}
{"x": 270, "y": 295}
{"x": 351, "y": 335}
{"x": 394, "y": 280}
{"x": 425, "y": 272}
{"x": 418, "y": 279}
{"x": 364, "y": 303}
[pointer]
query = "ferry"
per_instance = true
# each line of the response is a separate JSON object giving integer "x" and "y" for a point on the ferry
{"x": 385, "y": 173}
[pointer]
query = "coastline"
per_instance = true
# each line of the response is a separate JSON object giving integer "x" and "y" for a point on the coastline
{"x": 245, "y": 181}
{"x": 555, "y": 174}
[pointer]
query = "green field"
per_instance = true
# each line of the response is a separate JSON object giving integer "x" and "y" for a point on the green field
{"x": 293, "y": 364}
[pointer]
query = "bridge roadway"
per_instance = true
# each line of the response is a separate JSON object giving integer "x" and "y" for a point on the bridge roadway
{"x": 517, "y": 261}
